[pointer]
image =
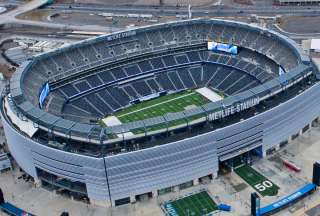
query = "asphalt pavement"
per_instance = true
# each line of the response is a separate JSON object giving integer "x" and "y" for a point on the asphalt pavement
{"x": 219, "y": 10}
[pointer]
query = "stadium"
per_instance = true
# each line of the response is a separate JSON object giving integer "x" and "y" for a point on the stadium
{"x": 140, "y": 112}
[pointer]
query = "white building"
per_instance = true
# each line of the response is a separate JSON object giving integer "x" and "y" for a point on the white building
{"x": 315, "y": 45}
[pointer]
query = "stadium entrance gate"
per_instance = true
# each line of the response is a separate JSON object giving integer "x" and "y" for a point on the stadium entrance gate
{"x": 247, "y": 157}
{"x": 143, "y": 197}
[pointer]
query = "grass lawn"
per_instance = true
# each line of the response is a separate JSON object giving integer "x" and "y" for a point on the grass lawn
{"x": 195, "y": 205}
{"x": 260, "y": 183}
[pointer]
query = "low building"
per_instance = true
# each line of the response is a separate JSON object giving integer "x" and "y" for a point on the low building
{"x": 315, "y": 45}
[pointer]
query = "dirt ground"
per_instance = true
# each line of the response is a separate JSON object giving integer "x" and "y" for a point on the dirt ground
{"x": 6, "y": 71}
{"x": 301, "y": 25}
{"x": 39, "y": 15}
{"x": 245, "y": 2}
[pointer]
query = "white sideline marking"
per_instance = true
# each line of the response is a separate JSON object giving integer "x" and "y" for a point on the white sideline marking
{"x": 209, "y": 94}
{"x": 112, "y": 121}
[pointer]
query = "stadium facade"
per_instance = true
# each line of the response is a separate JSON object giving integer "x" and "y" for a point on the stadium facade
{"x": 52, "y": 108}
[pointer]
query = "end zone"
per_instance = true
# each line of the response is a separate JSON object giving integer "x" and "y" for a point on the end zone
{"x": 209, "y": 94}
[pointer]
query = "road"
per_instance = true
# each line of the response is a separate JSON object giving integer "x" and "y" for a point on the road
{"x": 210, "y": 11}
{"x": 11, "y": 18}
{"x": 214, "y": 11}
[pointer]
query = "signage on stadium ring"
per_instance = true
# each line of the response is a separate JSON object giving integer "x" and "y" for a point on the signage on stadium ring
{"x": 121, "y": 35}
{"x": 234, "y": 108}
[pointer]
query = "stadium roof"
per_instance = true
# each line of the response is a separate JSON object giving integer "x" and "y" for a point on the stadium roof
{"x": 54, "y": 123}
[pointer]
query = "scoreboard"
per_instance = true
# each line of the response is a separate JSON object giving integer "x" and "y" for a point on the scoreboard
{"x": 45, "y": 90}
{"x": 229, "y": 48}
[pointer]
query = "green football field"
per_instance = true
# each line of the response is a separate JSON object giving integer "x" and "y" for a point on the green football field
{"x": 260, "y": 183}
{"x": 195, "y": 205}
{"x": 162, "y": 105}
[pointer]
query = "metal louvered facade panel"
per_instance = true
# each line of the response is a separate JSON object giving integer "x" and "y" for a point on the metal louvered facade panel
{"x": 167, "y": 165}
{"x": 160, "y": 167}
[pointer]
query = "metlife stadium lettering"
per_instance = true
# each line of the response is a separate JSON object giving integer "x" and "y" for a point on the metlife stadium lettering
{"x": 121, "y": 35}
{"x": 234, "y": 109}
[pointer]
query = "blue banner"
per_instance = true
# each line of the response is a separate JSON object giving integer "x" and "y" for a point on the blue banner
{"x": 43, "y": 94}
{"x": 286, "y": 200}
